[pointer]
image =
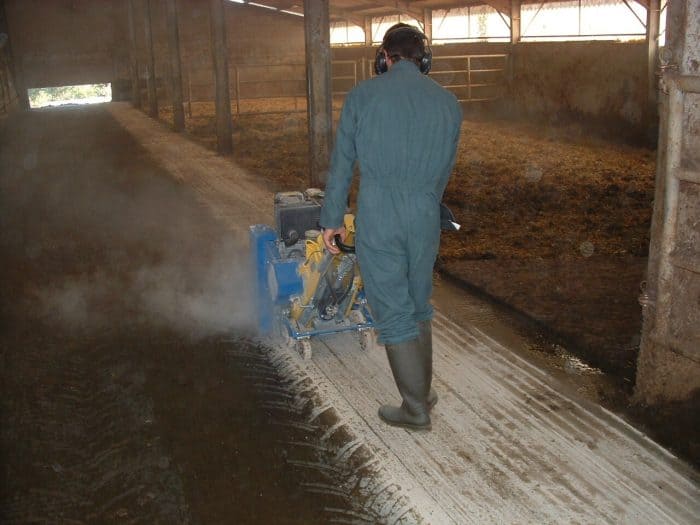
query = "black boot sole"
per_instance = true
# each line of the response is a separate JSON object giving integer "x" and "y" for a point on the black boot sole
{"x": 409, "y": 426}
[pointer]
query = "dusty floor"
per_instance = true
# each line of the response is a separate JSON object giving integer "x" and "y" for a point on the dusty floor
{"x": 550, "y": 216}
{"x": 121, "y": 400}
{"x": 509, "y": 443}
{"x": 556, "y": 217}
{"x": 122, "y": 404}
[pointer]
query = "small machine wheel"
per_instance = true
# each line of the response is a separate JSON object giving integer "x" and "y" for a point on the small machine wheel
{"x": 304, "y": 348}
{"x": 356, "y": 317}
{"x": 368, "y": 339}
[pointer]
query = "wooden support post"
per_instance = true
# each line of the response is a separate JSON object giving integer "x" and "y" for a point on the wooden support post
{"x": 21, "y": 86}
{"x": 515, "y": 21}
{"x": 150, "y": 63}
{"x": 175, "y": 66}
{"x": 15, "y": 64}
{"x": 365, "y": 65}
{"x": 515, "y": 35}
{"x": 368, "y": 31}
{"x": 319, "y": 95}
{"x": 652, "y": 41}
{"x": 189, "y": 89}
{"x": 428, "y": 23}
{"x": 219, "y": 49}
{"x": 134, "y": 64}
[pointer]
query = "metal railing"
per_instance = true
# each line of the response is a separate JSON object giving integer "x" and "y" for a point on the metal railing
{"x": 472, "y": 78}
{"x": 276, "y": 82}
{"x": 241, "y": 80}
{"x": 445, "y": 69}
{"x": 484, "y": 76}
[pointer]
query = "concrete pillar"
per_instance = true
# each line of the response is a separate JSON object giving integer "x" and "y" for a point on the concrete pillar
{"x": 319, "y": 96}
{"x": 134, "y": 65}
{"x": 175, "y": 66}
{"x": 150, "y": 62}
{"x": 652, "y": 41}
{"x": 219, "y": 49}
{"x": 668, "y": 369}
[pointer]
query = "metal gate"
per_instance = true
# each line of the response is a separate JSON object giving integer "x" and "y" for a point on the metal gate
{"x": 472, "y": 78}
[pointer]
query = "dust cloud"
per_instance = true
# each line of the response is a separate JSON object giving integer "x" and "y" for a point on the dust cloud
{"x": 123, "y": 243}
{"x": 209, "y": 299}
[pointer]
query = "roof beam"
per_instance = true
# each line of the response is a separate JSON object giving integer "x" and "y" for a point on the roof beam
{"x": 502, "y": 6}
{"x": 348, "y": 15}
{"x": 405, "y": 8}
{"x": 395, "y": 7}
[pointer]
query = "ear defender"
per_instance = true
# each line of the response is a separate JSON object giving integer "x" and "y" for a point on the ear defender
{"x": 380, "y": 65}
{"x": 424, "y": 63}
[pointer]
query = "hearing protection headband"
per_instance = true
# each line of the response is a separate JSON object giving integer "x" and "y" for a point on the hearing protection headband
{"x": 424, "y": 62}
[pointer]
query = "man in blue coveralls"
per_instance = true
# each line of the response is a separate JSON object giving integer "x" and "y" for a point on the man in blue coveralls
{"x": 403, "y": 129}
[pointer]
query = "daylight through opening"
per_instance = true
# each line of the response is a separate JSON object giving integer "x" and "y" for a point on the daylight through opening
{"x": 58, "y": 96}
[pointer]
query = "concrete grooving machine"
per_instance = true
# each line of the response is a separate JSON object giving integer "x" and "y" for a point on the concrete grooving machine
{"x": 301, "y": 289}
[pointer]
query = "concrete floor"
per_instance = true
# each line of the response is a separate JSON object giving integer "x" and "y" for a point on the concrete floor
{"x": 507, "y": 444}
{"x": 510, "y": 443}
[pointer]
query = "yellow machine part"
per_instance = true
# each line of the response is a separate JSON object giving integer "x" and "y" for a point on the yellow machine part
{"x": 309, "y": 270}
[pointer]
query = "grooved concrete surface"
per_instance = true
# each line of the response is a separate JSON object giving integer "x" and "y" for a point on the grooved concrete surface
{"x": 507, "y": 445}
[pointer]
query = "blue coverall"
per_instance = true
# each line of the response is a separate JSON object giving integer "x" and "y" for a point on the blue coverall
{"x": 403, "y": 128}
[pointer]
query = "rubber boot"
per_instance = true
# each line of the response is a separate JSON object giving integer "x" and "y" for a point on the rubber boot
{"x": 425, "y": 340}
{"x": 407, "y": 364}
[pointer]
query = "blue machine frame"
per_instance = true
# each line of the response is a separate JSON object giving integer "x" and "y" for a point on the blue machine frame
{"x": 271, "y": 269}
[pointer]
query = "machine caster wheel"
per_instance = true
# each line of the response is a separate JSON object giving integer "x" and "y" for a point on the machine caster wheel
{"x": 356, "y": 317}
{"x": 304, "y": 348}
{"x": 368, "y": 337}
{"x": 368, "y": 340}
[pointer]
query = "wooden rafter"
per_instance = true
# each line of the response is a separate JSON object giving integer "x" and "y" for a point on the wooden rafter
{"x": 643, "y": 22}
{"x": 349, "y": 15}
{"x": 286, "y": 6}
{"x": 387, "y": 7}
{"x": 502, "y": 6}
{"x": 353, "y": 15}
{"x": 404, "y": 8}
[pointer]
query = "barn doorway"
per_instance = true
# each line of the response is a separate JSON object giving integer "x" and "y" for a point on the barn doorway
{"x": 62, "y": 95}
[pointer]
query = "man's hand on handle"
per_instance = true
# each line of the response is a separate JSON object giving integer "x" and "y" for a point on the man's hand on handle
{"x": 329, "y": 238}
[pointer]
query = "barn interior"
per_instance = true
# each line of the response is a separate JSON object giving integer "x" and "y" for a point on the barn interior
{"x": 133, "y": 390}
